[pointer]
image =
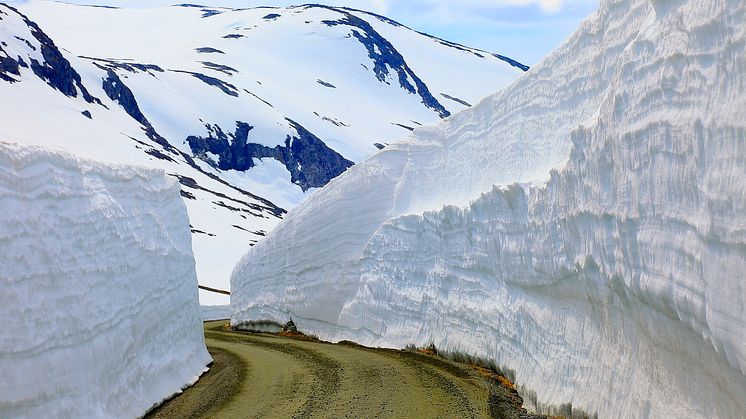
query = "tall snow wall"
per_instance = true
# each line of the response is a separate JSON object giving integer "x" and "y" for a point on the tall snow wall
{"x": 98, "y": 291}
{"x": 585, "y": 227}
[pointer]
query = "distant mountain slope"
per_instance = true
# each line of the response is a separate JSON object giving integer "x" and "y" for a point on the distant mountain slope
{"x": 249, "y": 108}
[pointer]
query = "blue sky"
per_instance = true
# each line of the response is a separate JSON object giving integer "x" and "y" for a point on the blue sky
{"x": 525, "y": 30}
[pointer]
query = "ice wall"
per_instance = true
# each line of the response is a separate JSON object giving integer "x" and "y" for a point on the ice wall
{"x": 98, "y": 292}
{"x": 586, "y": 226}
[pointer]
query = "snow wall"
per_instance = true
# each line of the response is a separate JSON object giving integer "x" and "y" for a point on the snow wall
{"x": 98, "y": 292}
{"x": 586, "y": 226}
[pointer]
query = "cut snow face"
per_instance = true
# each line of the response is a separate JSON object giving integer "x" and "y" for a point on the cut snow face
{"x": 208, "y": 105}
{"x": 98, "y": 288}
{"x": 583, "y": 226}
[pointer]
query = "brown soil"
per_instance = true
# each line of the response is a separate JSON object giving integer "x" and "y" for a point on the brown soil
{"x": 264, "y": 375}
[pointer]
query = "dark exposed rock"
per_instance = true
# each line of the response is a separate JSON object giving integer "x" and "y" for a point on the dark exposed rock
{"x": 210, "y": 12}
{"x": 325, "y": 84}
{"x": 376, "y": 15}
{"x": 386, "y": 57}
{"x": 455, "y": 99}
{"x": 265, "y": 102}
{"x": 403, "y": 126}
{"x": 7, "y": 78}
{"x": 55, "y": 70}
{"x": 232, "y": 149}
{"x": 476, "y": 52}
{"x": 28, "y": 44}
{"x": 512, "y": 62}
{"x": 188, "y": 182}
{"x": 332, "y": 121}
{"x": 310, "y": 162}
{"x": 258, "y": 233}
{"x": 227, "y": 88}
{"x": 208, "y": 50}
{"x": 379, "y": 146}
{"x": 271, "y": 16}
{"x": 268, "y": 206}
{"x": 195, "y": 231}
{"x": 233, "y": 36}
{"x": 240, "y": 228}
{"x": 124, "y": 65}
{"x": 159, "y": 155}
{"x": 188, "y": 195}
{"x": 219, "y": 67}
{"x": 117, "y": 91}
{"x": 87, "y": 114}
{"x": 290, "y": 326}
{"x": 236, "y": 209}
{"x": 8, "y": 66}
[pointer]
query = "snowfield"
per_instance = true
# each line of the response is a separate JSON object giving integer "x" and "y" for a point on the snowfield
{"x": 252, "y": 109}
{"x": 586, "y": 226}
{"x": 99, "y": 299}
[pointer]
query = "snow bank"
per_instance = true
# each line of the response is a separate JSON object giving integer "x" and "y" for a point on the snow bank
{"x": 98, "y": 292}
{"x": 216, "y": 312}
{"x": 585, "y": 226}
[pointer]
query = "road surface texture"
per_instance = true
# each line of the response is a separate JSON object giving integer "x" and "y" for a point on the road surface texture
{"x": 268, "y": 376}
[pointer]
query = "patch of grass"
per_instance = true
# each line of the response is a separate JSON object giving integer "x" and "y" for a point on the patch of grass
{"x": 482, "y": 362}
{"x": 258, "y": 326}
{"x": 485, "y": 366}
{"x": 429, "y": 350}
{"x": 488, "y": 368}
{"x": 299, "y": 336}
{"x": 271, "y": 327}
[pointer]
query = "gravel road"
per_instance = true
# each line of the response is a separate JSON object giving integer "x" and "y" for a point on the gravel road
{"x": 267, "y": 376}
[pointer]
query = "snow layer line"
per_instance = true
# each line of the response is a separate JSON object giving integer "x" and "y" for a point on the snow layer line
{"x": 586, "y": 226}
{"x": 98, "y": 291}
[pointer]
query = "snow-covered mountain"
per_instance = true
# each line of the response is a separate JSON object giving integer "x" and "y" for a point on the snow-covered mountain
{"x": 251, "y": 109}
{"x": 586, "y": 226}
{"x": 98, "y": 287}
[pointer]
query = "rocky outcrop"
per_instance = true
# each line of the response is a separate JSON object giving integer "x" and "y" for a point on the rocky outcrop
{"x": 310, "y": 162}
{"x": 54, "y": 68}
{"x": 386, "y": 57}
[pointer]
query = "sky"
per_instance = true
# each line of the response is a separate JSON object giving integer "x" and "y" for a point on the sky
{"x": 525, "y": 30}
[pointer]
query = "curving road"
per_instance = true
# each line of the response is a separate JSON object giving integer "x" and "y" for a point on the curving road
{"x": 261, "y": 375}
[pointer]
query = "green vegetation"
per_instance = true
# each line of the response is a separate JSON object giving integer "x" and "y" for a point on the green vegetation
{"x": 466, "y": 359}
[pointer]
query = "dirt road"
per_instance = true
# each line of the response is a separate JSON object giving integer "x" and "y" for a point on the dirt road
{"x": 262, "y": 375}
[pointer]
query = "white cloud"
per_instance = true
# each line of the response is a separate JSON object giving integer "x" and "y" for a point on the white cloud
{"x": 551, "y": 6}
